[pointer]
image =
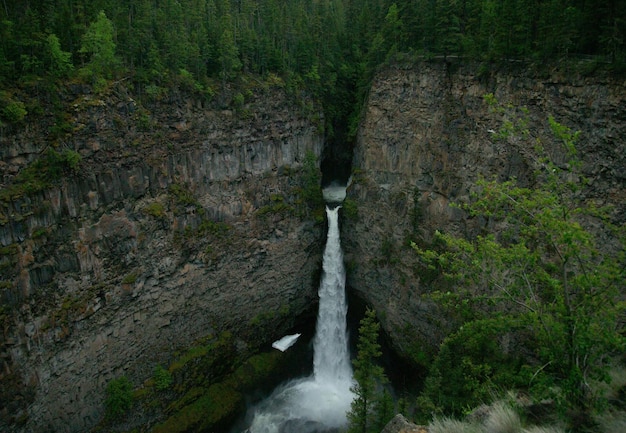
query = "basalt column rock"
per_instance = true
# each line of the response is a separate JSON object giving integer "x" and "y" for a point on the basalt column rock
{"x": 167, "y": 232}
{"x": 426, "y": 137}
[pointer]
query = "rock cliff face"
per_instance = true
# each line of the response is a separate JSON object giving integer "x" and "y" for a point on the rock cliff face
{"x": 182, "y": 221}
{"x": 426, "y": 137}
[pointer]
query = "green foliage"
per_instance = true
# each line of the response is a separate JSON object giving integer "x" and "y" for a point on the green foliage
{"x": 182, "y": 195}
{"x": 213, "y": 228}
{"x": 42, "y": 173}
{"x": 162, "y": 378}
{"x": 99, "y": 44}
{"x": 256, "y": 371}
{"x": 474, "y": 364}
{"x": 211, "y": 380}
{"x": 238, "y": 100}
{"x": 214, "y": 408}
{"x": 330, "y": 44}
{"x": 155, "y": 209}
{"x": 130, "y": 278}
{"x": 12, "y": 111}
{"x": 119, "y": 397}
{"x": 350, "y": 209}
{"x": 371, "y": 407}
{"x": 59, "y": 61}
{"x": 277, "y": 205}
{"x": 311, "y": 190}
{"x": 559, "y": 287}
{"x": 191, "y": 354}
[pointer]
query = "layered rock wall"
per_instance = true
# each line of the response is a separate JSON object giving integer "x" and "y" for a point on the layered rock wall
{"x": 165, "y": 235}
{"x": 427, "y": 136}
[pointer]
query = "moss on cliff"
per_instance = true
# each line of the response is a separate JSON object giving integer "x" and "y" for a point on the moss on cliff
{"x": 217, "y": 407}
{"x": 209, "y": 381}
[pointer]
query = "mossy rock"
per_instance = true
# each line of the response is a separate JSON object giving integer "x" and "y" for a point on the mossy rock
{"x": 257, "y": 371}
{"x": 215, "y": 407}
{"x": 215, "y": 410}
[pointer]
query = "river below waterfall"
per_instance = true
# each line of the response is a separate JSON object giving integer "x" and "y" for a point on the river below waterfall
{"x": 317, "y": 403}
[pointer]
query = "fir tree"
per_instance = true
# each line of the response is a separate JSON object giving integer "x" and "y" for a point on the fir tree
{"x": 370, "y": 400}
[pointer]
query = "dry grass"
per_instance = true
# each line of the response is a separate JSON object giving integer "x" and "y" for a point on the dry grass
{"x": 612, "y": 422}
{"x": 502, "y": 419}
{"x": 448, "y": 425}
{"x": 537, "y": 429}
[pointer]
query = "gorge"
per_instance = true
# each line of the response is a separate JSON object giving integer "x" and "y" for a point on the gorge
{"x": 186, "y": 221}
{"x": 318, "y": 402}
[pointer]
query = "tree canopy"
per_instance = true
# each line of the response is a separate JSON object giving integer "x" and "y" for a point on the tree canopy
{"x": 331, "y": 47}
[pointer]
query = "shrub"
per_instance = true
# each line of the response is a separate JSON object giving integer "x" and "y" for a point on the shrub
{"x": 238, "y": 100}
{"x": 155, "y": 209}
{"x": 14, "y": 111}
{"x": 42, "y": 173}
{"x": 119, "y": 397}
{"x": 162, "y": 378}
{"x": 130, "y": 278}
{"x": 350, "y": 209}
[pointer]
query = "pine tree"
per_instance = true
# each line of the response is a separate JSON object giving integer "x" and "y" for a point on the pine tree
{"x": 59, "y": 62}
{"x": 369, "y": 378}
{"x": 99, "y": 43}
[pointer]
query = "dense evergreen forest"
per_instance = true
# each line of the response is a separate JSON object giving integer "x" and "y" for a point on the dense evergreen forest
{"x": 329, "y": 47}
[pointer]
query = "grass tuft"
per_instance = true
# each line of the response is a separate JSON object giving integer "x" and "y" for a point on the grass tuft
{"x": 502, "y": 419}
{"x": 449, "y": 425}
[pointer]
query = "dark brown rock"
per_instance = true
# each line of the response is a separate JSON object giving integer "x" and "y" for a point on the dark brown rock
{"x": 426, "y": 137}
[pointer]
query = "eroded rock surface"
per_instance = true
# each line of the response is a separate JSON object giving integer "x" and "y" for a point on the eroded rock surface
{"x": 169, "y": 232}
{"x": 427, "y": 136}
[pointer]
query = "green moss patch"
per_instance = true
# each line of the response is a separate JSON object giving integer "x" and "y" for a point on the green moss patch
{"x": 216, "y": 408}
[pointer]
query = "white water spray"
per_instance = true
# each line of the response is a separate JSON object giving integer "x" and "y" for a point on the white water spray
{"x": 318, "y": 403}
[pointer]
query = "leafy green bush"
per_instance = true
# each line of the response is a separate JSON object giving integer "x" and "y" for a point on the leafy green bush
{"x": 472, "y": 366}
{"x": 119, "y": 397}
{"x": 14, "y": 111}
{"x": 42, "y": 173}
{"x": 162, "y": 378}
{"x": 130, "y": 278}
{"x": 155, "y": 209}
{"x": 182, "y": 195}
{"x": 238, "y": 100}
{"x": 350, "y": 209}
{"x": 559, "y": 286}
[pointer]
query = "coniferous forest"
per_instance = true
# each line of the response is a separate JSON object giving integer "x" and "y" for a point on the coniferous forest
{"x": 329, "y": 47}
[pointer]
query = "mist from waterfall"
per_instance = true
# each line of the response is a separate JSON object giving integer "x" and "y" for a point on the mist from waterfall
{"x": 318, "y": 403}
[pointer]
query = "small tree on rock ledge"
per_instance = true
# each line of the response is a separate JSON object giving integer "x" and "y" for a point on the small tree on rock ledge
{"x": 371, "y": 406}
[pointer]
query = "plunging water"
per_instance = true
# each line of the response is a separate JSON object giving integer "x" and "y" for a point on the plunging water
{"x": 318, "y": 403}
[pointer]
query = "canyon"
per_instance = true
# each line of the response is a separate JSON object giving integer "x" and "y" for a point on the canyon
{"x": 186, "y": 219}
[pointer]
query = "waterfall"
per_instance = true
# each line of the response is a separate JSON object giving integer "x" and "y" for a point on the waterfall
{"x": 318, "y": 403}
{"x": 331, "y": 359}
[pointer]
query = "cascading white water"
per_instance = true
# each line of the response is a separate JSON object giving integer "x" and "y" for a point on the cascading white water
{"x": 318, "y": 403}
{"x": 331, "y": 360}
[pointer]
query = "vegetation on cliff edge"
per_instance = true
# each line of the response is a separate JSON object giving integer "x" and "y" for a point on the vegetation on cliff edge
{"x": 540, "y": 296}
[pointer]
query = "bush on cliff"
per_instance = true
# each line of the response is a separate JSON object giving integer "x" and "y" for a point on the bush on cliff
{"x": 119, "y": 397}
{"x": 553, "y": 286}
